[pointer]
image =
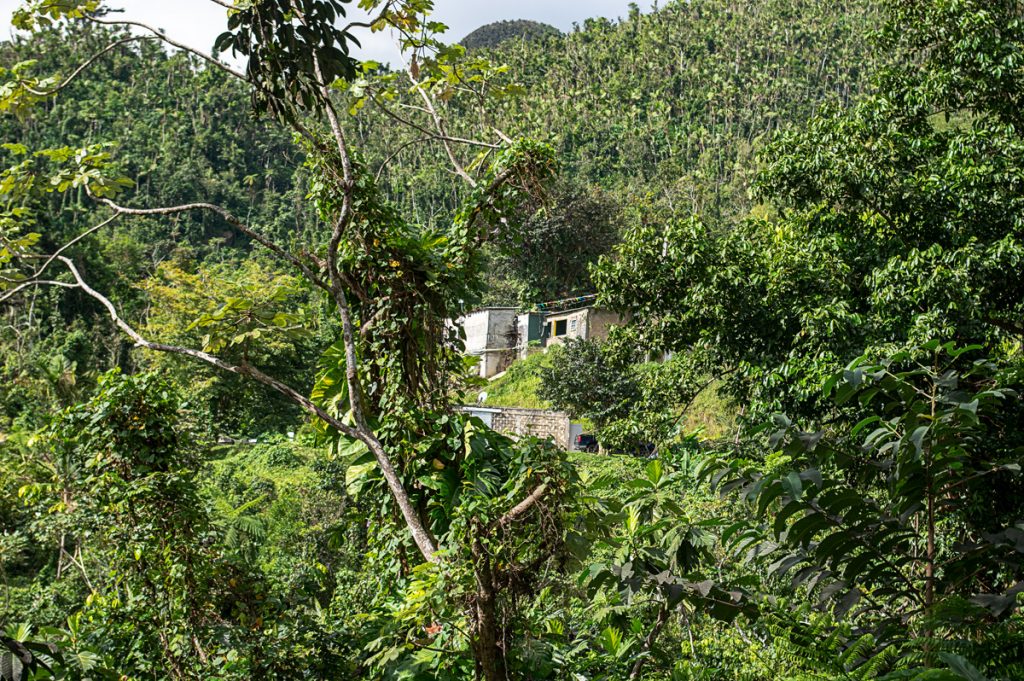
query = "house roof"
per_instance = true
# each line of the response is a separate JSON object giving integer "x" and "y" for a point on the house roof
{"x": 566, "y": 313}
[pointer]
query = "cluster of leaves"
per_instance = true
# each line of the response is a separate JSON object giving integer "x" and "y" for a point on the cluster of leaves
{"x": 890, "y": 223}
{"x": 49, "y": 653}
{"x": 656, "y": 566}
{"x": 290, "y": 47}
{"x": 247, "y": 312}
{"x": 908, "y": 519}
{"x": 45, "y": 13}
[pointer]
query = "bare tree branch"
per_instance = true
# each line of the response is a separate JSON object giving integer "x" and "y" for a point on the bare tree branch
{"x": 393, "y": 155}
{"x": 86, "y": 64}
{"x": 170, "y": 41}
{"x": 439, "y": 124}
{"x": 523, "y": 506}
{"x": 241, "y": 369}
{"x": 10, "y": 293}
{"x": 359, "y": 432}
{"x": 1004, "y": 325}
{"x": 390, "y": 113}
{"x": 232, "y": 220}
{"x": 71, "y": 243}
{"x": 370, "y": 22}
{"x": 652, "y": 635}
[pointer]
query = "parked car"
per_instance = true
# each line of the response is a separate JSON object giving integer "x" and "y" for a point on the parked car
{"x": 585, "y": 443}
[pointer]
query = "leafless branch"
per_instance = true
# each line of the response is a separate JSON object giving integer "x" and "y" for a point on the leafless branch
{"x": 439, "y": 125}
{"x": 393, "y": 155}
{"x": 232, "y": 220}
{"x": 80, "y": 565}
{"x": 523, "y": 506}
{"x": 1004, "y": 325}
{"x": 160, "y": 35}
{"x": 663, "y": 614}
{"x": 430, "y": 134}
{"x": 10, "y": 293}
{"x": 86, "y": 64}
{"x": 372, "y": 21}
{"x": 244, "y": 369}
{"x": 69, "y": 244}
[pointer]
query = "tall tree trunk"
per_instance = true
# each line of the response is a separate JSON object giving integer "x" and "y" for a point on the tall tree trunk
{"x": 490, "y": 657}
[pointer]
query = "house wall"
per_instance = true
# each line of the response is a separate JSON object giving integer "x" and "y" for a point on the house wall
{"x": 536, "y": 422}
{"x": 530, "y": 325}
{"x": 493, "y": 362}
{"x": 489, "y": 329}
{"x": 517, "y": 422}
{"x": 575, "y": 325}
{"x": 491, "y": 334}
{"x": 588, "y": 323}
{"x": 502, "y": 330}
{"x": 498, "y": 335}
{"x": 475, "y": 327}
{"x": 601, "y": 321}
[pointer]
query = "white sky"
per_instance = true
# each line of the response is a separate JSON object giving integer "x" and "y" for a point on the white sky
{"x": 198, "y": 22}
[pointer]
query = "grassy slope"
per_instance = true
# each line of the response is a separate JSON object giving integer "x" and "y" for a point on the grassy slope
{"x": 712, "y": 414}
{"x": 520, "y": 385}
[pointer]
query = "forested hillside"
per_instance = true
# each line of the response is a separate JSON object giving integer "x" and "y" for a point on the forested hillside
{"x": 231, "y": 441}
{"x": 175, "y": 141}
{"x": 664, "y": 110}
{"x": 633, "y": 109}
{"x": 667, "y": 105}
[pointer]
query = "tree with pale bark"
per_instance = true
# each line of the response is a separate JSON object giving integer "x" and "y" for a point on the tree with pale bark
{"x": 462, "y": 497}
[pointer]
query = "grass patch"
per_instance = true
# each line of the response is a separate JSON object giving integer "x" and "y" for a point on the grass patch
{"x": 519, "y": 386}
{"x": 621, "y": 467}
{"x": 713, "y": 414}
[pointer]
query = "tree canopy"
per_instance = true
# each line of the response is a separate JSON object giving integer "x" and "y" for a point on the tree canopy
{"x": 233, "y": 440}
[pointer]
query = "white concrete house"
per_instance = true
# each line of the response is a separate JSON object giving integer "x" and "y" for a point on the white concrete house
{"x": 499, "y": 335}
{"x": 492, "y": 335}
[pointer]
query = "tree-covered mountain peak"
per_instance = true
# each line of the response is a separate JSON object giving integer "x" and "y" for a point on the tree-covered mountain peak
{"x": 495, "y": 33}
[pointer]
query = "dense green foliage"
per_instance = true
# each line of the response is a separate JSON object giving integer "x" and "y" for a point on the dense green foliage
{"x": 907, "y": 196}
{"x": 230, "y": 442}
{"x": 178, "y": 139}
{"x": 906, "y": 519}
{"x": 885, "y": 234}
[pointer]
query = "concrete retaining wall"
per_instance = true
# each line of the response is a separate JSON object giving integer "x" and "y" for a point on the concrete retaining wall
{"x": 526, "y": 422}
